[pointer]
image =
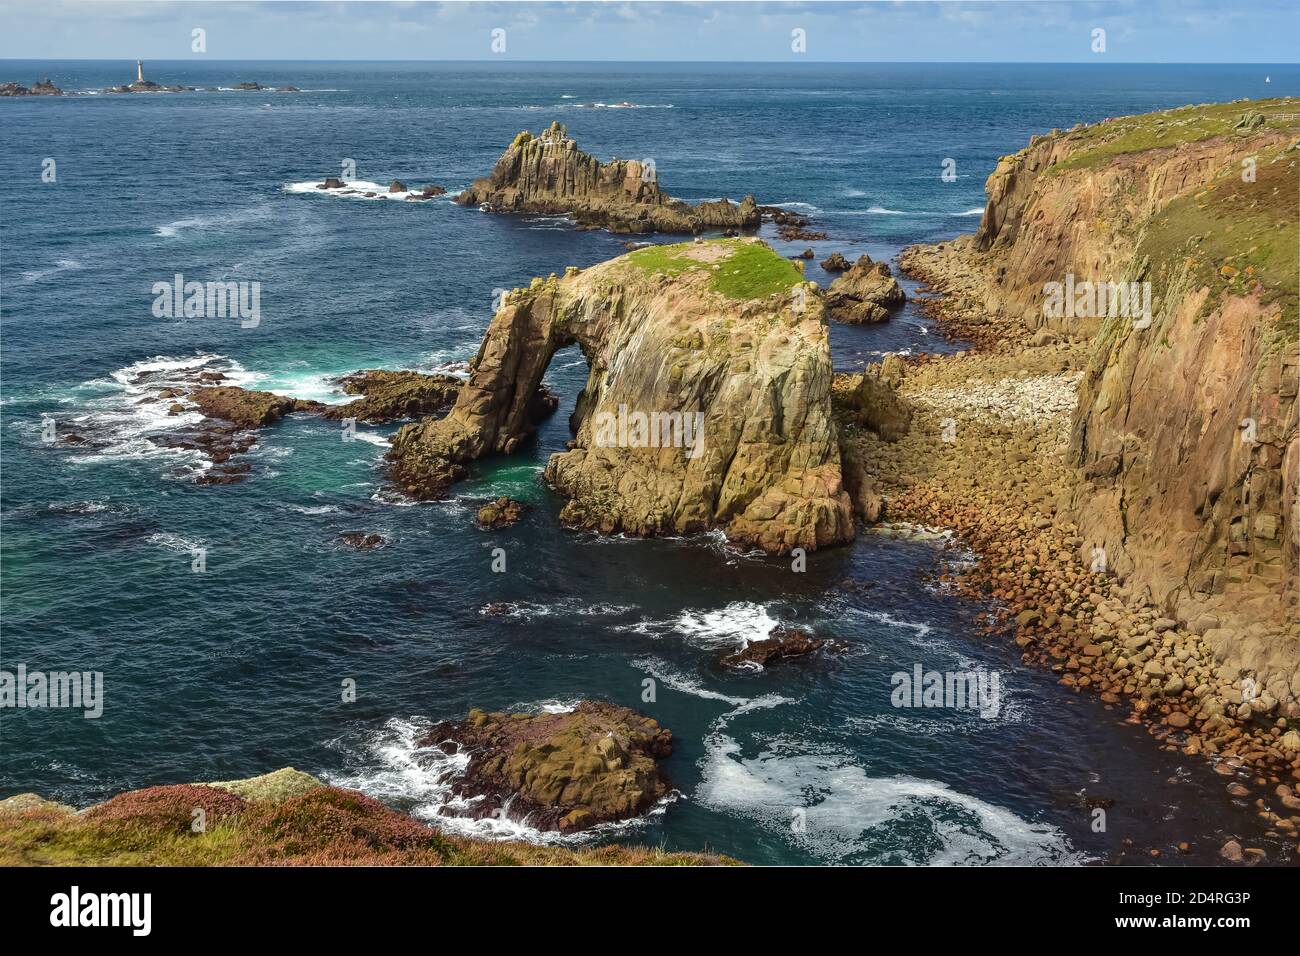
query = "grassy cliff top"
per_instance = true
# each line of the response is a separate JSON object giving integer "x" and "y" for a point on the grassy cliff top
{"x": 739, "y": 268}
{"x": 284, "y": 824}
{"x": 1101, "y": 142}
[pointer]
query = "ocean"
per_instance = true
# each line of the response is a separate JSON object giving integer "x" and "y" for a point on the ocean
{"x": 240, "y": 669}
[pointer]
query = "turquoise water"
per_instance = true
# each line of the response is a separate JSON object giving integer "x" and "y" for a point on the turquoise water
{"x": 238, "y": 670}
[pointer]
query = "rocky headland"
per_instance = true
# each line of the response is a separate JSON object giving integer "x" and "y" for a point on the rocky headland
{"x": 285, "y": 818}
{"x": 1128, "y": 481}
{"x": 548, "y": 175}
{"x": 707, "y": 403}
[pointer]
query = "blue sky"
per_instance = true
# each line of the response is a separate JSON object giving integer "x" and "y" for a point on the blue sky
{"x": 1144, "y": 31}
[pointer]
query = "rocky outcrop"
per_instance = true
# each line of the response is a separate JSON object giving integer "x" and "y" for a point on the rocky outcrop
{"x": 782, "y": 643}
{"x": 363, "y": 540}
{"x": 879, "y": 406}
{"x": 247, "y": 408}
{"x": 390, "y": 395}
{"x": 865, "y": 293}
{"x": 548, "y": 174}
{"x": 41, "y": 88}
{"x": 498, "y": 514}
{"x": 559, "y": 771}
{"x": 1185, "y": 437}
{"x": 707, "y": 403}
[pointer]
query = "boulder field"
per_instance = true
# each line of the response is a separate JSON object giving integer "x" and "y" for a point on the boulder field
{"x": 549, "y": 175}
{"x": 707, "y": 403}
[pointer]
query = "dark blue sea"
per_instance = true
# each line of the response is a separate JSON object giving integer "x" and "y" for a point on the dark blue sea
{"x": 239, "y": 670}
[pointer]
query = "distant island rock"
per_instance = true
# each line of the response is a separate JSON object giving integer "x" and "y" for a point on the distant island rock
{"x": 549, "y": 175}
{"x": 42, "y": 88}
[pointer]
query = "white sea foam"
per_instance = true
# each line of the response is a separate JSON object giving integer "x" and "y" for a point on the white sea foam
{"x": 124, "y": 415}
{"x": 316, "y": 509}
{"x": 565, "y": 607}
{"x": 176, "y": 543}
{"x": 60, "y": 265}
{"x": 828, "y": 806}
{"x": 238, "y": 217}
{"x": 736, "y": 625}
{"x": 976, "y": 211}
{"x": 674, "y": 679}
{"x": 357, "y": 189}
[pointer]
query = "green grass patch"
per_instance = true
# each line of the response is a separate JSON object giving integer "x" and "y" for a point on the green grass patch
{"x": 751, "y": 270}
{"x": 1102, "y": 142}
{"x": 1236, "y": 237}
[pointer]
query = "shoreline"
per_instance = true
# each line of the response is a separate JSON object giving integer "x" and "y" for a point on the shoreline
{"x": 1003, "y": 485}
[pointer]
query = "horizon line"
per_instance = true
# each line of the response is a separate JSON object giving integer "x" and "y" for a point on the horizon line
{"x": 788, "y": 62}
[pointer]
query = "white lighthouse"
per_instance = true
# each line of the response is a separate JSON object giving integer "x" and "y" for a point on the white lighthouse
{"x": 139, "y": 71}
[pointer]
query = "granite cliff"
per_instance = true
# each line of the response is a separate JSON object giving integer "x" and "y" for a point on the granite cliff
{"x": 1184, "y": 439}
{"x": 548, "y": 175}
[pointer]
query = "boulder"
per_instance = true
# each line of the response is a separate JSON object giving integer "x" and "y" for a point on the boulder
{"x": 397, "y": 186}
{"x": 835, "y": 262}
{"x": 363, "y": 541}
{"x": 879, "y": 407}
{"x": 501, "y": 513}
{"x": 866, "y": 293}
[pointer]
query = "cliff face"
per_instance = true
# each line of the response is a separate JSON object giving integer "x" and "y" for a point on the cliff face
{"x": 707, "y": 404}
{"x": 1185, "y": 434}
{"x": 548, "y": 175}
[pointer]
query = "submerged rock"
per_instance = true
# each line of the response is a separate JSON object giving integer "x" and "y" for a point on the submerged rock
{"x": 567, "y": 771}
{"x": 707, "y": 404}
{"x": 865, "y": 293}
{"x": 501, "y": 513}
{"x": 784, "y": 642}
{"x": 548, "y": 174}
{"x": 363, "y": 541}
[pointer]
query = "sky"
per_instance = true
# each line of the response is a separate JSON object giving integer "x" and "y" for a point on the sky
{"x": 1136, "y": 31}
